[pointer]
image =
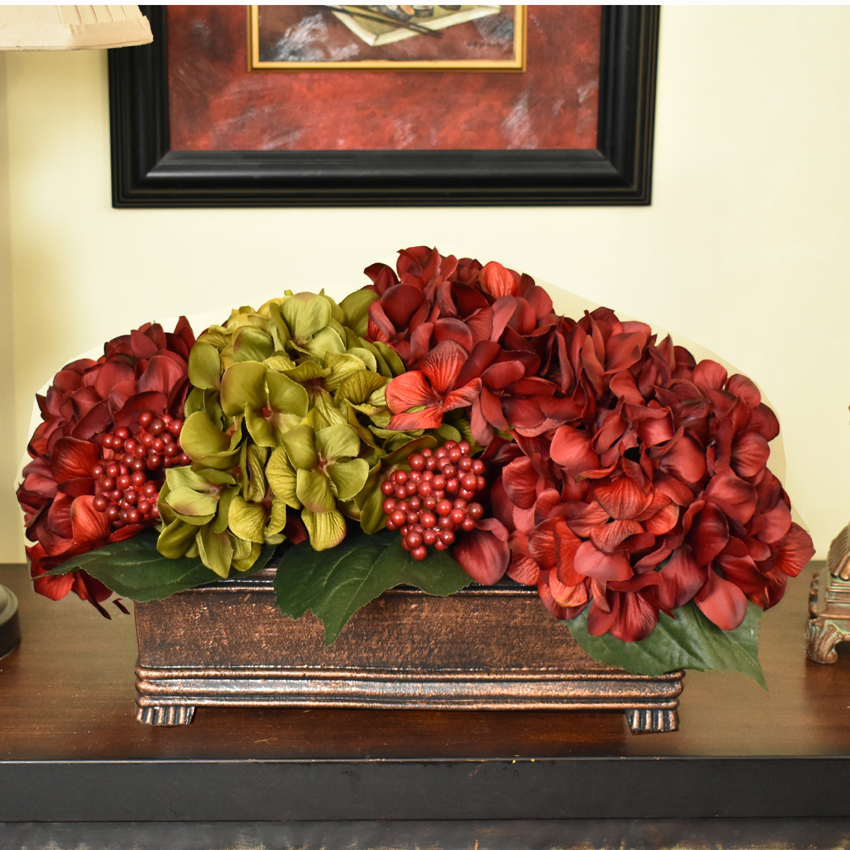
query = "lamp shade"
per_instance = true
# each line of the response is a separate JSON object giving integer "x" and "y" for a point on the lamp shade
{"x": 72, "y": 27}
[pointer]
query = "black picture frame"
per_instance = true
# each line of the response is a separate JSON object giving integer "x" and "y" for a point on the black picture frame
{"x": 147, "y": 173}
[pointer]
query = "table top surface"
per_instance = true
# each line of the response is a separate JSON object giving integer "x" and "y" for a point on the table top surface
{"x": 67, "y": 693}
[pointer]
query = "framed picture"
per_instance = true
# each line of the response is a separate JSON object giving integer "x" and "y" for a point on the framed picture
{"x": 196, "y": 122}
{"x": 384, "y": 38}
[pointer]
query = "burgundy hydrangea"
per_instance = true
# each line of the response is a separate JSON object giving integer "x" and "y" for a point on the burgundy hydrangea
{"x": 92, "y": 413}
{"x": 628, "y": 478}
{"x": 656, "y": 494}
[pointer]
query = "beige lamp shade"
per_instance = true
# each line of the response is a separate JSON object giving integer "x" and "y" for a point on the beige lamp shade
{"x": 72, "y": 27}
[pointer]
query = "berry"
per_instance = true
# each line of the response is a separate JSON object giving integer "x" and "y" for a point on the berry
{"x": 127, "y": 483}
{"x": 433, "y": 500}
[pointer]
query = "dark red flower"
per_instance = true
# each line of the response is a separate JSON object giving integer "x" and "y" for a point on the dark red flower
{"x": 434, "y": 388}
{"x": 144, "y": 373}
{"x": 660, "y": 495}
{"x": 634, "y": 478}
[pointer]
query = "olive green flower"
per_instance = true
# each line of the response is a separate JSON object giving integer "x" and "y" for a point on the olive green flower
{"x": 287, "y": 413}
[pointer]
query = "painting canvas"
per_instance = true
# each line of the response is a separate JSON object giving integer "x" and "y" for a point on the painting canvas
{"x": 420, "y": 38}
{"x": 217, "y": 103}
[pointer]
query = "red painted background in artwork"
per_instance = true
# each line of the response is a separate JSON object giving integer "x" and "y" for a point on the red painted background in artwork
{"x": 217, "y": 104}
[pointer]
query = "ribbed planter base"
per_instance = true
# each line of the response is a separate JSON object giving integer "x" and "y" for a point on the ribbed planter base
{"x": 483, "y": 648}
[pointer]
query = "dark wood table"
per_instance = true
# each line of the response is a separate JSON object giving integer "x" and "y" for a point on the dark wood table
{"x": 748, "y": 767}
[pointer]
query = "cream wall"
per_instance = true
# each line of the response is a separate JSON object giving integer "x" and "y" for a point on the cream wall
{"x": 744, "y": 248}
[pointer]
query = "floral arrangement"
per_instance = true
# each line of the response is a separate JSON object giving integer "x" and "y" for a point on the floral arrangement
{"x": 439, "y": 426}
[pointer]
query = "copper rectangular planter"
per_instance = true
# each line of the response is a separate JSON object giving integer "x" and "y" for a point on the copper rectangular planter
{"x": 227, "y": 644}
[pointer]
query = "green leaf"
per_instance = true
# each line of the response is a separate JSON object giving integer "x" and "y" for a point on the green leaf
{"x": 690, "y": 640}
{"x": 135, "y": 570}
{"x": 334, "y": 584}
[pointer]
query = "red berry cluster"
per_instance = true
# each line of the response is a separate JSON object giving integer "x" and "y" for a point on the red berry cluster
{"x": 128, "y": 477}
{"x": 433, "y": 501}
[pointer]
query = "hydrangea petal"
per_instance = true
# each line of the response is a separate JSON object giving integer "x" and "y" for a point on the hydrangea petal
{"x": 72, "y": 458}
{"x": 603, "y": 566}
{"x": 314, "y": 491}
{"x": 722, "y": 602}
{"x": 349, "y": 478}
{"x": 326, "y": 529}
{"x": 442, "y": 365}
{"x": 573, "y": 451}
{"x": 482, "y": 555}
{"x": 410, "y": 390}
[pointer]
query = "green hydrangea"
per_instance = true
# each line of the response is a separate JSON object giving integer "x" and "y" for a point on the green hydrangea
{"x": 287, "y": 413}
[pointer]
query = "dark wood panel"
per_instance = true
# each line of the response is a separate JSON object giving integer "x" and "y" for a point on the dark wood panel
{"x": 788, "y": 833}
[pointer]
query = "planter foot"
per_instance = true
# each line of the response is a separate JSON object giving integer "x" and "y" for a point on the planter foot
{"x": 652, "y": 719}
{"x": 165, "y": 715}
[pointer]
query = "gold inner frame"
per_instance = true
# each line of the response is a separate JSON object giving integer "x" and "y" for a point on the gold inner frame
{"x": 517, "y": 63}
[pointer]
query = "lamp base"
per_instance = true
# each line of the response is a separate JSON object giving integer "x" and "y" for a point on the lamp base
{"x": 10, "y": 626}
